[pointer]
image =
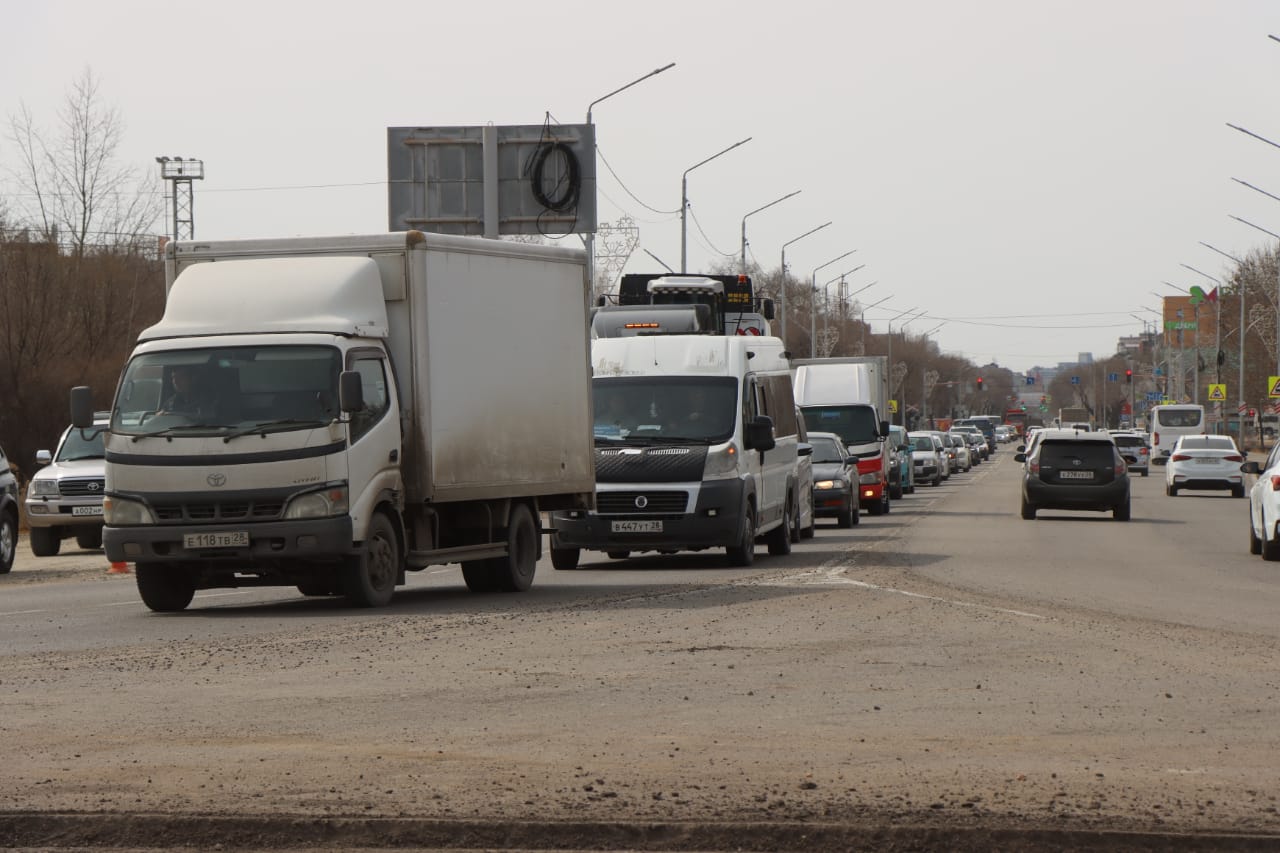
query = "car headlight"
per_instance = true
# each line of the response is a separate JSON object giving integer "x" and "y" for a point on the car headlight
{"x": 722, "y": 464}
{"x": 873, "y": 477}
{"x": 823, "y": 485}
{"x": 125, "y": 512}
{"x": 324, "y": 503}
{"x": 44, "y": 488}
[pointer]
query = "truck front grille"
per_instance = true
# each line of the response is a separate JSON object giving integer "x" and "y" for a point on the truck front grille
{"x": 214, "y": 512}
{"x": 618, "y": 503}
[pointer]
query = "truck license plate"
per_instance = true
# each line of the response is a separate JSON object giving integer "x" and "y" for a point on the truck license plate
{"x": 86, "y": 510}
{"x": 1076, "y": 475}
{"x": 651, "y": 526}
{"x": 198, "y": 541}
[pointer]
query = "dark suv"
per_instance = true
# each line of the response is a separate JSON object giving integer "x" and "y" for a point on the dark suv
{"x": 1073, "y": 469}
{"x": 8, "y": 515}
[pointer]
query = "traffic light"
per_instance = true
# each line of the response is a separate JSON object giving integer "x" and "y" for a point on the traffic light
{"x": 979, "y": 383}
{"x": 1128, "y": 374}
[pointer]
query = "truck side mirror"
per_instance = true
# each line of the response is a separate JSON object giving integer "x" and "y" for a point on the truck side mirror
{"x": 884, "y": 429}
{"x": 82, "y": 406}
{"x": 766, "y": 308}
{"x": 758, "y": 434}
{"x": 350, "y": 392}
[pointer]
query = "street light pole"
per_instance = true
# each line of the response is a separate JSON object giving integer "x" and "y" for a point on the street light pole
{"x": 782, "y": 286}
{"x": 813, "y": 303}
{"x": 1277, "y": 236}
{"x": 684, "y": 201}
{"x": 589, "y": 240}
{"x": 753, "y": 213}
{"x": 840, "y": 300}
{"x": 1240, "y": 295}
{"x": 889, "y": 359}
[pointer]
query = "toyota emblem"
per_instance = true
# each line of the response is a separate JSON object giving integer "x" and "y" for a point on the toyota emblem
{"x": 641, "y": 502}
{"x": 93, "y": 487}
{"x": 216, "y": 480}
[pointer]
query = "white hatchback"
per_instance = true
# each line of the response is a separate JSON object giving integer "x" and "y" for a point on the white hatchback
{"x": 1204, "y": 462}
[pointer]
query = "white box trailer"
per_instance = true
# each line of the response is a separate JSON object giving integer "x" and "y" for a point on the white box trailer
{"x": 850, "y": 397}
{"x": 372, "y": 404}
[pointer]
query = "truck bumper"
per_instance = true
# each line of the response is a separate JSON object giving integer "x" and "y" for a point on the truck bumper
{"x": 306, "y": 539}
{"x": 716, "y": 522}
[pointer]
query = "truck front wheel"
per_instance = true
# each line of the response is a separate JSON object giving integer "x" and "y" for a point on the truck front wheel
{"x": 164, "y": 588}
{"x": 369, "y": 578}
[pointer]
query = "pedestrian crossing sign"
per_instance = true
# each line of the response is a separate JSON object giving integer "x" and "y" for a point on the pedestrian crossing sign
{"x": 1217, "y": 393}
{"x": 1273, "y": 386}
{"x": 893, "y": 407}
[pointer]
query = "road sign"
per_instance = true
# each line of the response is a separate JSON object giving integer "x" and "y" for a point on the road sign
{"x": 1179, "y": 324}
{"x": 1217, "y": 392}
{"x": 1273, "y": 386}
{"x": 1113, "y": 377}
{"x": 1031, "y": 380}
{"x": 1075, "y": 380}
{"x": 1242, "y": 408}
{"x": 893, "y": 407}
{"x": 1153, "y": 396}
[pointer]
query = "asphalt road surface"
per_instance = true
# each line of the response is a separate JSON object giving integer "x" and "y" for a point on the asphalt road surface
{"x": 948, "y": 675}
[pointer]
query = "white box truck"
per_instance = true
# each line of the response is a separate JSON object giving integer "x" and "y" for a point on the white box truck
{"x": 696, "y": 448}
{"x": 328, "y": 413}
{"x": 850, "y": 397}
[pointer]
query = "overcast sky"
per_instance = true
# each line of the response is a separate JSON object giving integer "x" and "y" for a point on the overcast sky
{"x": 1027, "y": 171}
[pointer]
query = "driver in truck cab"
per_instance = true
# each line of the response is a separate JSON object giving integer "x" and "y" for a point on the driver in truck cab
{"x": 188, "y": 397}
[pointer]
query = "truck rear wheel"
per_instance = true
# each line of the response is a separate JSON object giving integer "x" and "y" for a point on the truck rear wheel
{"x": 164, "y": 588}
{"x": 369, "y": 578}
{"x": 45, "y": 541}
{"x": 514, "y": 572}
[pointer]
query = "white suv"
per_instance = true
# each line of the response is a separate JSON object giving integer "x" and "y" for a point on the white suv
{"x": 65, "y": 497}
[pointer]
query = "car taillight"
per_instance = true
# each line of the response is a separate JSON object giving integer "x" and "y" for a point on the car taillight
{"x": 1120, "y": 468}
{"x": 1234, "y": 458}
{"x": 1155, "y": 439}
{"x": 1034, "y": 467}
{"x": 1146, "y": 451}
{"x": 1275, "y": 482}
{"x": 1179, "y": 457}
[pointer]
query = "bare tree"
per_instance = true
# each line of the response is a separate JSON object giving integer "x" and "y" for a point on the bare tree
{"x": 74, "y": 192}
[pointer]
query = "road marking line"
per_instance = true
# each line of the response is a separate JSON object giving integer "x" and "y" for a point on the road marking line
{"x": 22, "y": 612}
{"x": 835, "y": 577}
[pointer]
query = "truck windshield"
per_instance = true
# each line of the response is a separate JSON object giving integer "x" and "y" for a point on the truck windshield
{"x": 665, "y": 407}
{"x": 218, "y": 390}
{"x": 854, "y": 424}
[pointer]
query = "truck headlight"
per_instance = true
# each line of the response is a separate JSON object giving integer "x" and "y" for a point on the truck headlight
{"x": 125, "y": 512}
{"x": 722, "y": 464}
{"x": 873, "y": 477}
{"x": 44, "y": 488}
{"x": 329, "y": 501}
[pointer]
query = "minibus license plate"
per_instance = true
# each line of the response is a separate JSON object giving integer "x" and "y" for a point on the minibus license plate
{"x": 648, "y": 526}
{"x": 200, "y": 541}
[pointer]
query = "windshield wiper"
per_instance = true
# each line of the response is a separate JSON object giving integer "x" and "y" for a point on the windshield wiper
{"x": 282, "y": 425}
{"x": 169, "y": 432}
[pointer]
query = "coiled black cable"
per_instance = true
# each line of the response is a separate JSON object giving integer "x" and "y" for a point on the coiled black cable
{"x": 568, "y": 186}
